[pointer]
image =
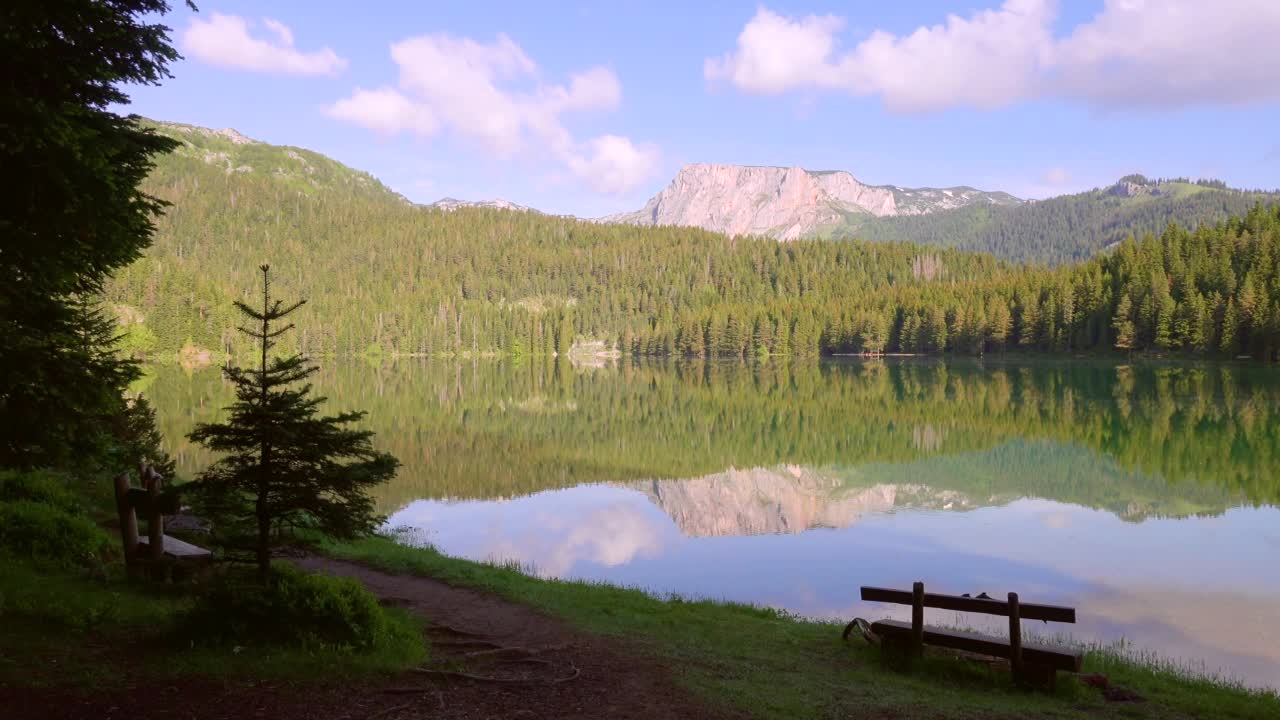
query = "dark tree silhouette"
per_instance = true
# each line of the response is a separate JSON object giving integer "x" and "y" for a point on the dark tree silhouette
{"x": 70, "y": 214}
{"x": 286, "y": 466}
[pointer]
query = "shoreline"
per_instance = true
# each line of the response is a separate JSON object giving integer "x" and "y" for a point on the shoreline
{"x": 680, "y": 627}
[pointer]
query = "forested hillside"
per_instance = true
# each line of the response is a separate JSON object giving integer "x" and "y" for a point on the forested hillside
{"x": 1067, "y": 228}
{"x": 385, "y": 276}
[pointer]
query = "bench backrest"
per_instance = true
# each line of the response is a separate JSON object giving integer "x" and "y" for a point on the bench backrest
{"x": 1014, "y": 609}
{"x": 1027, "y": 611}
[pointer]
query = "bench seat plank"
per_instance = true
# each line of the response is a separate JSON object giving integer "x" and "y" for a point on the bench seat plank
{"x": 1059, "y": 658}
{"x": 179, "y": 550}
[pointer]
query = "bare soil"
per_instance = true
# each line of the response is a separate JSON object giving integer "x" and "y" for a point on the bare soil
{"x": 491, "y": 658}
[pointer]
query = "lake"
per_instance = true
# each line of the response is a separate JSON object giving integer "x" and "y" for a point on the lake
{"x": 1145, "y": 496}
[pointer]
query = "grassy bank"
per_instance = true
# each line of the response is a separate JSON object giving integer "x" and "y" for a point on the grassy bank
{"x": 777, "y": 666}
{"x": 68, "y": 615}
{"x": 106, "y": 632}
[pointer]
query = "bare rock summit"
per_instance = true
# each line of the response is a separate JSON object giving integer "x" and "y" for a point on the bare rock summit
{"x": 787, "y": 203}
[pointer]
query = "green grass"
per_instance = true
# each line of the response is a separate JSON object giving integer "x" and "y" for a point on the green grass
{"x": 777, "y": 666}
{"x": 100, "y": 633}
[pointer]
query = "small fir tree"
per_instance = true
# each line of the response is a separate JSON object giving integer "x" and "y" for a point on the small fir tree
{"x": 285, "y": 465}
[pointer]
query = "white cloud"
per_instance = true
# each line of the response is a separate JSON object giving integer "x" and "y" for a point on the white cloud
{"x": 281, "y": 30}
{"x": 1173, "y": 53}
{"x": 1056, "y": 176}
{"x": 611, "y": 164}
{"x": 1133, "y": 54}
{"x": 225, "y": 41}
{"x": 493, "y": 96}
{"x": 386, "y": 111}
{"x": 776, "y": 54}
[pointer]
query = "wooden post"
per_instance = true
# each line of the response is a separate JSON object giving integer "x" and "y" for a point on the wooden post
{"x": 917, "y": 619}
{"x": 1015, "y": 637}
{"x": 155, "y": 521}
{"x": 128, "y": 522}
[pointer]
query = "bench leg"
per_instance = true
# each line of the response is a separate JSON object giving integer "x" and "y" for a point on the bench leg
{"x": 1040, "y": 676}
{"x": 899, "y": 651}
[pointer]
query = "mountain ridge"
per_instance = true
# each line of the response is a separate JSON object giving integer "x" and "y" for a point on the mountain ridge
{"x": 1065, "y": 228}
{"x": 823, "y": 204}
{"x": 449, "y": 204}
{"x": 787, "y": 203}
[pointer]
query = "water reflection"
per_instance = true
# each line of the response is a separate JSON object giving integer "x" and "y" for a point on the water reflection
{"x": 1145, "y": 496}
{"x": 763, "y": 501}
{"x": 1121, "y": 575}
{"x": 578, "y": 532}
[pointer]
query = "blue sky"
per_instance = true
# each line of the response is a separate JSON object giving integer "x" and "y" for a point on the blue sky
{"x": 590, "y": 108}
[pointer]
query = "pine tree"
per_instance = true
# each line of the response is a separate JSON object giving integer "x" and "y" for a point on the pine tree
{"x": 1126, "y": 333}
{"x": 286, "y": 466}
{"x": 1229, "y": 339}
{"x": 1000, "y": 322}
{"x": 1167, "y": 337}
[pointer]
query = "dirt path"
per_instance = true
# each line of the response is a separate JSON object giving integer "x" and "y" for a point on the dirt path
{"x": 574, "y": 675}
{"x": 536, "y": 667}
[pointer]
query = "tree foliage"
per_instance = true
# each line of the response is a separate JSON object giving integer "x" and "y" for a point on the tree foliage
{"x": 285, "y": 465}
{"x": 71, "y": 213}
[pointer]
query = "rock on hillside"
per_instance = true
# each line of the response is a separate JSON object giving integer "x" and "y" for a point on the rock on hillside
{"x": 450, "y": 204}
{"x": 787, "y": 203}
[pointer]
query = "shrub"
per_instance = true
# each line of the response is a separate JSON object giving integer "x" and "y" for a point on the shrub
{"x": 291, "y": 608}
{"x": 38, "y": 485}
{"x": 48, "y": 535}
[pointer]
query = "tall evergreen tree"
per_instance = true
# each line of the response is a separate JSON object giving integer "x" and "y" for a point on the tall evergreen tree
{"x": 285, "y": 465}
{"x": 1126, "y": 334}
{"x": 71, "y": 213}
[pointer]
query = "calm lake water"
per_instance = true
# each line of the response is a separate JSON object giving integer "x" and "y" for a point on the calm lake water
{"x": 1144, "y": 496}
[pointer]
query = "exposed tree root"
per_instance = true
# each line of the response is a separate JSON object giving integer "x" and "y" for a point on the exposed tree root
{"x": 571, "y": 676}
{"x": 502, "y": 649}
{"x": 453, "y": 630}
{"x": 493, "y": 646}
{"x": 575, "y": 672}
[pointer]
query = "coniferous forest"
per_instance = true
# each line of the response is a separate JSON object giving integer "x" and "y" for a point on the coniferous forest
{"x": 388, "y": 277}
{"x": 1067, "y": 228}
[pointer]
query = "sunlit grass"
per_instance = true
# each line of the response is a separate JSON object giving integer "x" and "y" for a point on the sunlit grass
{"x": 775, "y": 665}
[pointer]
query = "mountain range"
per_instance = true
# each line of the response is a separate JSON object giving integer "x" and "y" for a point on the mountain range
{"x": 793, "y": 203}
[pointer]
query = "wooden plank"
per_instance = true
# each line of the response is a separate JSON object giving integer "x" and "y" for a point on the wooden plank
{"x": 1030, "y": 611}
{"x": 1056, "y": 657}
{"x": 177, "y": 549}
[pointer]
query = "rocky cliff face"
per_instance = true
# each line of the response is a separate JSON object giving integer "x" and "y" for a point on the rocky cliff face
{"x": 786, "y": 203}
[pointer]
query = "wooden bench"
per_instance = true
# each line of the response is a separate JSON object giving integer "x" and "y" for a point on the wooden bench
{"x": 156, "y": 551}
{"x": 1029, "y": 662}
